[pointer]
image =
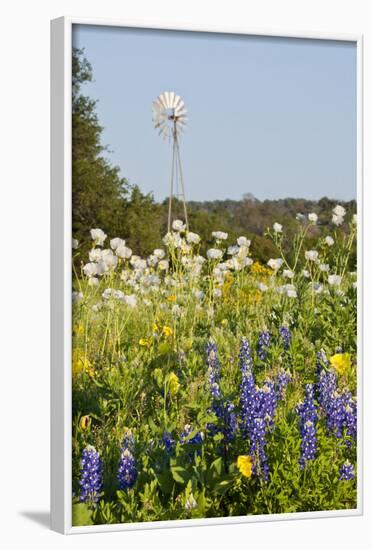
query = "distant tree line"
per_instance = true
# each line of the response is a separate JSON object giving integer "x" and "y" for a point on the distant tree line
{"x": 102, "y": 198}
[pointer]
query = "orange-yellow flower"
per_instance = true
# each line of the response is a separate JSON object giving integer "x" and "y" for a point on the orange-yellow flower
{"x": 341, "y": 362}
{"x": 244, "y": 464}
{"x": 167, "y": 331}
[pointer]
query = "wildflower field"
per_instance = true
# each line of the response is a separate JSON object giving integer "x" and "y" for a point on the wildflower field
{"x": 214, "y": 385}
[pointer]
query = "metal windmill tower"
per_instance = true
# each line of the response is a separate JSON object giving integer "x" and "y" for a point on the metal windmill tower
{"x": 169, "y": 118}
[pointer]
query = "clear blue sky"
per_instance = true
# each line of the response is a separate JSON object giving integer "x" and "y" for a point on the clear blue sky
{"x": 269, "y": 116}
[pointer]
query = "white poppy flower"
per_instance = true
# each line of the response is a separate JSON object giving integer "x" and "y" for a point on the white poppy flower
{"x": 288, "y": 273}
{"x": 90, "y": 269}
{"x": 93, "y": 281}
{"x": 300, "y": 217}
{"x": 278, "y": 228}
{"x": 109, "y": 260}
{"x": 214, "y": 254}
{"x": 97, "y": 307}
{"x": 98, "y": 236}
{"x": 219, "y": 235}
{"x": 199, "y": 294}
{"x": 312, "y": 255}
{"x": 178, "y": 225}
{"x": 275, "y": 264}
{"x": 152, "y": 260}
{"x": 159, "y": 253}
{"x": 313, "y": 217}
{"x": 306, "y": 273}
{"x": 232, "y": 250}
{"x": 107, "y": 293}
{"x": 130, "y": 300}
{"x": 124, "y": 252}
{"x": 339, "y": 211}
{"x": 95, "y": 255}
{"x": 324, "y": 267}
{"x": 217, "y": 293}
{"x": 118, "y": 294}
{"x": 163, "y": 265}
{"x": 116, "y": 243}
{"x": 334, "y": 280}
{"x": 262, "y": 287}
{"x": 75, "y": 244}
{"x": 290, "y": 291}
{"x": 329, "y": 241}
{"x": 337, "y": 220}
{"x": 243, "y": 241}
{"x": 192, "y": 238}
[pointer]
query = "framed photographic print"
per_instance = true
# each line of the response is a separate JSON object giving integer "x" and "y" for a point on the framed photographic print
{"x": 206, "y": 276}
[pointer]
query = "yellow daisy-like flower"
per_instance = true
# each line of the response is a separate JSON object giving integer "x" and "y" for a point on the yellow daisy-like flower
{"x": 172, "y": 298}
{"x": 341, "y": 362}
{"x": 244, "y": 464}
{"x": 85, "y": 422}
{"x": 145, "y": 342}
{"x": 167, "y": 331}
{"x": 173, "y": 383}
{"x": 80, "y": 363}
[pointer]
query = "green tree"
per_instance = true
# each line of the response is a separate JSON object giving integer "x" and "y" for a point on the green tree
{"x": 98, "y": 191}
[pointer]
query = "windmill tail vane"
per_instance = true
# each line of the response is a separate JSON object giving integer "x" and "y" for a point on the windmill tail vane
{"x": 169, "y": 119}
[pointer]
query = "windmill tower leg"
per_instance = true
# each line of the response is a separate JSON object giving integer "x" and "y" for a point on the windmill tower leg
{"x": 181, "y": 181}
{"x": 171, "y": 188}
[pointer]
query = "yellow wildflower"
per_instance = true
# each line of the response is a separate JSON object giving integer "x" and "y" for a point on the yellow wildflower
{"x": 145, "y": 342}
{"x": 167, "y": 331}
{"x": 224, "y": 322}
{"x": 80, "y": 363}
{"x": 244, "y": 464}
{"x": 85, "y": 422}
{"x": 173, "y": 383}
{"x": 78, "y": 330}
{"x": 172, "y": 298}
{"x": 341, "y": 362}
{"x": 155, "y": 327}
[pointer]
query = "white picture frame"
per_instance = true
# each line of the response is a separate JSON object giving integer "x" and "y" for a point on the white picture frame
{"x": 61, "y": 400}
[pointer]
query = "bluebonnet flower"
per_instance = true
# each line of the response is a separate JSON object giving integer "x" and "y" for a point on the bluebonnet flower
{"x": 247, "y": 387}
{"x": 282, "y": 380}
{"x": 196, "y": 439}
{"x": 258, "y": 407}
{"x": 339, "y": 408}
{"x": 347, "y": 471}
{"x": 223, "y": 409}
{"x": 168, "y": 441}
{"x": 225, "y": 412}
{"x": 257, "y": 448}
{"x": 213, "y": 369}
{"x": 308, "y": 418}
{"x": 90, "y": 475}
{"x": 285, "y": 336}
{"x": 264, "y": 339}
{"x": 127, "y": 470}
{"x": 350, "y": 415}
{"x": 266, "y": 402}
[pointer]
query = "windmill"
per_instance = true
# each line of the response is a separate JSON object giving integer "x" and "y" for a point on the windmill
{"x": 169, "y": 118}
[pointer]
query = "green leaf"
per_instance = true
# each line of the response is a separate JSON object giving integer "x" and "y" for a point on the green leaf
{"x": 81, "y": 514}
{"x": 179, "y": 474}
